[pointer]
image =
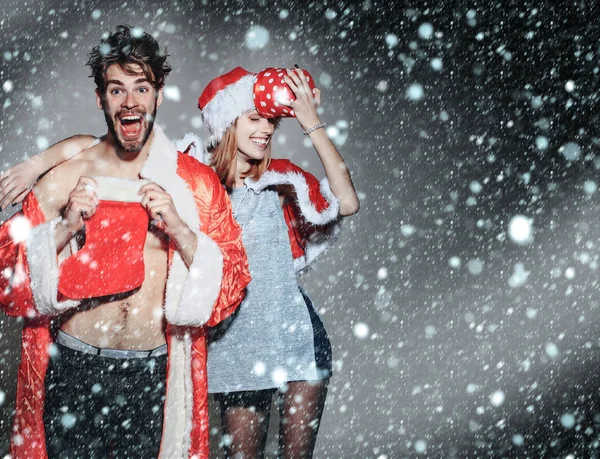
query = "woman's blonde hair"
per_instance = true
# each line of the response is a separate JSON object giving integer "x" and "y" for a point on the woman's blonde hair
{"x": 224, "y": 159}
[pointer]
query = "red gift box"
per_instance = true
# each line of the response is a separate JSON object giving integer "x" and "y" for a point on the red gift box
{"x": 271, "y": 92}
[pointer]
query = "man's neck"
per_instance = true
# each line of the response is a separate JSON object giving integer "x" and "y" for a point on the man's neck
{"x": 128, "y": 162}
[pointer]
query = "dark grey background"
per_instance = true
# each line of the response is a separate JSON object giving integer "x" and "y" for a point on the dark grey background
{"x": 461, "y": 355}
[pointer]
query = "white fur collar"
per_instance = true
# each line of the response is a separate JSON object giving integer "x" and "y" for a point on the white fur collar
{"x": 161, "y": 168}
{"x": 192, "y": 145}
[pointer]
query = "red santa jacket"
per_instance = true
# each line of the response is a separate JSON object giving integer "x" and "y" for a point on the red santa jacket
{"x": 204, "y": 294}
{"x": 312, "y": 218}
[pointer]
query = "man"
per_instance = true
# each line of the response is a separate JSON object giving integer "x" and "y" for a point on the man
{"x": 95, "y": 378}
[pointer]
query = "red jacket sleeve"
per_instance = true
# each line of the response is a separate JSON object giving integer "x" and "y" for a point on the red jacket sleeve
{"x": 218, "y": 223}
{"x": 16, "y": 298}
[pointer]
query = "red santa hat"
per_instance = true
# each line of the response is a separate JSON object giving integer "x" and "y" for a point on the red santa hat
{"x": 224, "y": 99}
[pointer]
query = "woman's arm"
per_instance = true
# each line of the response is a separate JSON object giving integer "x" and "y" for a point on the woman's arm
{"x": 305, "y": 107}
{"x": 17, "y": 181}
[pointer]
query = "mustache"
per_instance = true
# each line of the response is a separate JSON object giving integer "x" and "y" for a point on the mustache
{"x": 141, "y": 113}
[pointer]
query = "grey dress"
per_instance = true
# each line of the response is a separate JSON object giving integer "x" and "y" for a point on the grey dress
{"x": 271, "y": 338}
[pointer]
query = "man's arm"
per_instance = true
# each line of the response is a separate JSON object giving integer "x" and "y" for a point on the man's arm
{"x": 216, "y": 274}
{"x": 36, "y": 253}
{"x": 17, "y": 181}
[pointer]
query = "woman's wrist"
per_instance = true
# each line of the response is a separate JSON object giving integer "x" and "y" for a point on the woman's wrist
{"x": 36, "y": 163}
{"x": 314, "y": 128}
{"x": 308, "y": 122}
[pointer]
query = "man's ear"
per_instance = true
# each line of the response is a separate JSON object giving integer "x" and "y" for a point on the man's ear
{"x": 99, "y": 103}
{"x": 159, "y": 97}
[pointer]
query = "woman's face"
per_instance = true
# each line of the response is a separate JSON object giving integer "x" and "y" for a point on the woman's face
{"x": 254, "y": 134}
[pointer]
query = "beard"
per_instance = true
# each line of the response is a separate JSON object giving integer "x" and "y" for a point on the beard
{"x": 131, "y": 145}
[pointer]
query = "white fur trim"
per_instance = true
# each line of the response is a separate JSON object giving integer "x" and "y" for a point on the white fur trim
{"x": 178, "y": 406}
{"x": 202, "y": 287}
{"x": 297, "y": 180}
{"x": 119, "y": 189}
{"x": 194, "y": 147}
{"x": 161, "y": 168}
{"x": 226, "y": 105}
{"x": 40, "y": 248}
{"x": 190, "y": 143}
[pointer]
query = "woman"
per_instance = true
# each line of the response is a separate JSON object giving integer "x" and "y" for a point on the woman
{"x": 275, "y": 343}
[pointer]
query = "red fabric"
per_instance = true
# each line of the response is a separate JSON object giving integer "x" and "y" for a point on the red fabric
{"x": 112, "y": 259}
{"x": 219, "y": 83}
{"x": 200, "y": 430}
{"x": 299, "y": 230}
{"x": 28, "y": 437}
{"x": 15, "y": 295}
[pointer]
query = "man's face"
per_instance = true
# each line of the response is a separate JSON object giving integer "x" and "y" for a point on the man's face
{"x": 129, "y": 107}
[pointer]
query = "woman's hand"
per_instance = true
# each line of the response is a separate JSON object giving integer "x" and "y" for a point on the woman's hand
{"x": 305, "y": 107}
{"x": 17, "y": 181}
{"x": 306, "y": 104}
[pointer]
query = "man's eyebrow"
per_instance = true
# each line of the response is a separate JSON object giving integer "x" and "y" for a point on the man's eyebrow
{"x": 120, "y": 83}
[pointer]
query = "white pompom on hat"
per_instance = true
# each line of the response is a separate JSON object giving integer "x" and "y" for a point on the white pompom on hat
{"x": 224, "y": 99}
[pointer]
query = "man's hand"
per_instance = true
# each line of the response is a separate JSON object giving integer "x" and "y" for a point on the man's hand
{"x": 82, "y": 204}
{"x": 160, "y": 207}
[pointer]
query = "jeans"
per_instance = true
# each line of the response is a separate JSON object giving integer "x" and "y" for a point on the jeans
{"x": 101, "y": 407}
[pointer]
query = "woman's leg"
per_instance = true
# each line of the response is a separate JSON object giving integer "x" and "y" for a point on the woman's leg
{"x": 300, "y": 411}
{"x": 244, "y": 423}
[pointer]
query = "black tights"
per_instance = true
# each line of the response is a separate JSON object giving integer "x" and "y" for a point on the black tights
{"x": 245, "y": 420}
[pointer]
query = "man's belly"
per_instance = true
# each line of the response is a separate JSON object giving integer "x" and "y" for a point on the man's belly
{"x": 130, "y": 323}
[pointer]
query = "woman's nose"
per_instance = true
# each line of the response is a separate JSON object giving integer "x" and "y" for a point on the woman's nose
{"x": 266, "y": 126}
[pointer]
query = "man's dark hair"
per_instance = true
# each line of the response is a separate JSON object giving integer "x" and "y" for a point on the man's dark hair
{"x": 129, "y": 46}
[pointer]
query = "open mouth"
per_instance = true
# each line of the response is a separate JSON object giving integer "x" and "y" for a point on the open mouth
{"x": 131, "y": 125}
{"x": 261, "y": 141}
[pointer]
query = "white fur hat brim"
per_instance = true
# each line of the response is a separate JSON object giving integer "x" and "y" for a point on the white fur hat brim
{"x": 227, "y": 105}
